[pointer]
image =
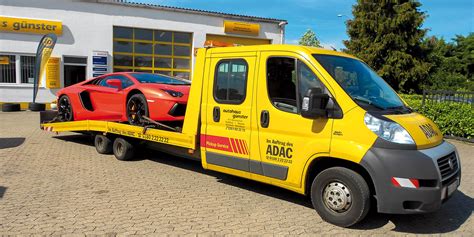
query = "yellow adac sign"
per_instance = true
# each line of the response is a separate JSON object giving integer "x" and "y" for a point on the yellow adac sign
{"x": 241, "y": 28}
{"x": 4, "y": 60}
{"x": 26, "y": 25}
{"x": 52, "y": 73}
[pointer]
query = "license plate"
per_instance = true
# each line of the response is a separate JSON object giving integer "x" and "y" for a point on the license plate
{"x": 452, "y": 187}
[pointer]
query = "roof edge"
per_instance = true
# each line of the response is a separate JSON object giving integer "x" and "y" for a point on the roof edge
{"x": 189, "y": 10}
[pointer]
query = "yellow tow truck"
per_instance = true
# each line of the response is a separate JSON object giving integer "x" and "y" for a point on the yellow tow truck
{"x": 317, "y": 122}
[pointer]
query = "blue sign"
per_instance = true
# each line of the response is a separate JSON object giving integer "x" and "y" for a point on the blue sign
{"x": 99, "y": 60}
{"x": 99, "y": 63}
{"x": 97, "y": 74}
{"x": 99, "y": 69}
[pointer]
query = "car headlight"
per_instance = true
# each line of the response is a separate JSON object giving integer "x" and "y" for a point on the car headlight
{"x": 173, "y": 93}
{"x": 388, "y": 130}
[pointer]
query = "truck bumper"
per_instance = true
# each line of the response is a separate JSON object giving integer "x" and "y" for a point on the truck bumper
{"x": 413, "y": 181}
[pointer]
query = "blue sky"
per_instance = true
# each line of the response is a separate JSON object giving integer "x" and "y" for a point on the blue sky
{"x": 446, "y": 18}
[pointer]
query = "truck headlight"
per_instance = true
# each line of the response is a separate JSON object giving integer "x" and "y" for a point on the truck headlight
{"x": 388, "y": 130}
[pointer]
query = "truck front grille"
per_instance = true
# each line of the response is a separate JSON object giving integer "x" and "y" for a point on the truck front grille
{"x": 448, "y": 165}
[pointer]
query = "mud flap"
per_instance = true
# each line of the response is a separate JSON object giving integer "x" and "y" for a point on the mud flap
{"x": 48, "y": 116}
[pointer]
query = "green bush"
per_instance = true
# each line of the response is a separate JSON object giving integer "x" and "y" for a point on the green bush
{"x": 454, "y": 119}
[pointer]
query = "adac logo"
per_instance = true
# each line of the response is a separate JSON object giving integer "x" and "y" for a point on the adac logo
{"x": 428, "y": 130}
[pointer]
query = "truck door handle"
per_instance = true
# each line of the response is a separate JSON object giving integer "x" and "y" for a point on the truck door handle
{"x": 264, "y": 118}
{"x": 216, "y": 114}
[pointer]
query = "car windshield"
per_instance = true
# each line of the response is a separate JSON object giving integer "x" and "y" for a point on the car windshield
{"x": 159, "y": 79}
{"x": 362, "y": 84}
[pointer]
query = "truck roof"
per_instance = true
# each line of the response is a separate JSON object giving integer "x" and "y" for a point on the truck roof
{"x": 279, "y": 47}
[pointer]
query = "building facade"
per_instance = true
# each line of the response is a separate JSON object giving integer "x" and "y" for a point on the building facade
{"x": 100, "y": 36}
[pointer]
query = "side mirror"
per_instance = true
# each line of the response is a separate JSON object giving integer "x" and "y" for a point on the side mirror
{"x": 115, "y": 83}
{"x": 314, "y": 104}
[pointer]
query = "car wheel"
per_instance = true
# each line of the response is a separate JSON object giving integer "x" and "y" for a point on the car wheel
{"x": 65, "y": 109}
{"x": 340, "y": 196}
{"x": 137, "y": 107}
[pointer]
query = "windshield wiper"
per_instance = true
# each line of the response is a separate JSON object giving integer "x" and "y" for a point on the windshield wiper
{"x": 367, "y": 101}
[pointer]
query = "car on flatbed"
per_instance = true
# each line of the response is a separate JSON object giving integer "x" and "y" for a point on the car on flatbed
{"x": 317, "y": 122}
{"x": 125, "y": 97}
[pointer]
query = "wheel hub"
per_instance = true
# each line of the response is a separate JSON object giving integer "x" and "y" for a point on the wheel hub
{"x": 337, "y": 197}
{"x": 136, "y": 110}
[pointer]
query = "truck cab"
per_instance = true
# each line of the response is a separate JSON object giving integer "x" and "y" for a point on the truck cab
{"x": 320, "y": 123}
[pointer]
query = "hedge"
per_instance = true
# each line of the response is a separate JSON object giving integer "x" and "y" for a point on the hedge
{"x": 453, "y": 119}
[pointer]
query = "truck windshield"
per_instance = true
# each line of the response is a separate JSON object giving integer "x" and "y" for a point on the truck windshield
{"x": 362, "y": 84}
{"x": 159, "y": 79}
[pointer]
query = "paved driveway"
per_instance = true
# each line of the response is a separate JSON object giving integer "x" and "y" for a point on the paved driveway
{"x": 58, "y": 185}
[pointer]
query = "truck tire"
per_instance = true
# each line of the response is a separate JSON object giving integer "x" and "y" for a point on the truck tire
{"x": 340, "y": 196}
{"x": 10, "y": 107}
{"x": 103, "y": 144}
{"x": 36, "y": 107}
{"x": 123, "y": 150}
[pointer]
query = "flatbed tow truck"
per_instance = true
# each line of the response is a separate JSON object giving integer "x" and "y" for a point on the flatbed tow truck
{"x": 317, "y": 122}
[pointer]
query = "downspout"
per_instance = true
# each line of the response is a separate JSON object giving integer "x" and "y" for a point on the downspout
{"x": 282, "y": 31}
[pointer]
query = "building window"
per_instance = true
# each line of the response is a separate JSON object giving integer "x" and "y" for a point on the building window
{"x": 7, "y": 68}
{"x": 230, "y": 81}
{"x": 27, "y": 69}
{"x": 17, "y": 68}
{"x": 156, "y": 51}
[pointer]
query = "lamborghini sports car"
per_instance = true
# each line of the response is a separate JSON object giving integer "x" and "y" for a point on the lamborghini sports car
{"x": 126, "y": 96}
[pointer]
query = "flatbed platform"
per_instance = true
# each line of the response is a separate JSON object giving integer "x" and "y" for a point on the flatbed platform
{"x": 150, "y": 134}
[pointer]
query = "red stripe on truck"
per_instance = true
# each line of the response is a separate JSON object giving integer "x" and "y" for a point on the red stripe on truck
{"x": 228, "y": 144}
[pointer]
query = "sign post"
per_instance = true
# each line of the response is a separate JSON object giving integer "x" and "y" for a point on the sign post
{"x": 45, "y": 48}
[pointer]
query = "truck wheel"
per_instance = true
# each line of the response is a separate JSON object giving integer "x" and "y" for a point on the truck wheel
{"x": 103, "y": 144}
{"x": 340, "y": 196}
{"x": 123, "y": 150}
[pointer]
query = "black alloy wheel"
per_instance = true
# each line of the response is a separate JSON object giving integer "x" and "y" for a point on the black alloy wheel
{"x": 137, "y": 107}
{"x": 65, "y": 109}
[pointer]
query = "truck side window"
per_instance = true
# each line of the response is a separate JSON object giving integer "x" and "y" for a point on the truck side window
{"x": 230, "y": 81}
{"x": 281, "y": 83}
{"x": 306, "y": 80}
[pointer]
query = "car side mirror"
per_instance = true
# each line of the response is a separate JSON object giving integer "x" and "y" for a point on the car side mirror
{"x": 314, "y": 104}
{"x": 115, "y": 83}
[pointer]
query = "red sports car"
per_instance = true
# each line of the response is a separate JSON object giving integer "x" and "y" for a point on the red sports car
{"x": 126, "y": 96}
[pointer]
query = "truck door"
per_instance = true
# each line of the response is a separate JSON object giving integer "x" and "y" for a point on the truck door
{"x": 229, "y": 102}
{"x": 286, "y": 139}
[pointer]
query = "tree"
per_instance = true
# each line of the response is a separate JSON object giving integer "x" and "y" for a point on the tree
{"x": 464, "y": 51}
{"x": 453, "y": 63}
{"x": 309, "y": 39}
{"x": 388, "y": 36}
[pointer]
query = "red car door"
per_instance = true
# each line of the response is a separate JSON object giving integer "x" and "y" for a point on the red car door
{"x": 108, "y": 101}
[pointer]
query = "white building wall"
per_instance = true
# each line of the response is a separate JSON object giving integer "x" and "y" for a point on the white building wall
{"x": 87, "y": 26}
